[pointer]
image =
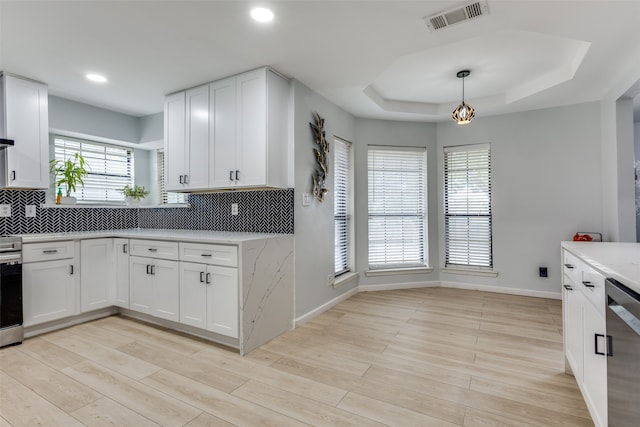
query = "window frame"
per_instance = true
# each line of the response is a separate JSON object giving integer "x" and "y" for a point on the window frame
{"x": 480, "y": 205}
{"x": 347, "y": 213}
{"x": 421, "y": 264}
{"x": 119, "y": 199}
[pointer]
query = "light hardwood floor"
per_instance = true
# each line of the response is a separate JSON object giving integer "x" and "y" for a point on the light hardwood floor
{"x": 417, "y": 357}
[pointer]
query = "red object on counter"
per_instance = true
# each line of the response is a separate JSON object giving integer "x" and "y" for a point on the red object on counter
{"x": 582, "y": 238}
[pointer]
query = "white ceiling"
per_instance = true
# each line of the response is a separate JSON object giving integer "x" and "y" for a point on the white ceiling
{"x": 375, "y": 59}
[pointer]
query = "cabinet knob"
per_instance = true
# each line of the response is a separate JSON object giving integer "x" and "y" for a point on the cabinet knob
{"x": 230, "y": 175}
{"x": 124, "y": 248}
{"x": 186, "y": 179}
{"x": 71, "y": 269}
{"x": 588, "y": 284}
{"x": 181, "y": 176}
{"x": 567, "y": 287}
{"x": 237, "y": 175}
{"x": 569, "y": 266}
{"x": 13, "y": 175}
{"x": 208, "y": 278}
{"x": 152, "y": 249}
{"x": 202, "y": 277}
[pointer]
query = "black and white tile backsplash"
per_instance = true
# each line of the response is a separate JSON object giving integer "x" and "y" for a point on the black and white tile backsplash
{"x": 269, "y": 211}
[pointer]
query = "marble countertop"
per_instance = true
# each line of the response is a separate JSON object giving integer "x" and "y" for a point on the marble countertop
{"x": 199, "y": 236}
{"x": 620, "y": 261}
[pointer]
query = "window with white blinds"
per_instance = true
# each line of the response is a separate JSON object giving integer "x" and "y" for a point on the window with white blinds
{"x": 109, "y": 167}
{"x": 164, "y": 196}
{"x": 342, "y": 205}
{"x": 397, "y": 207}
{"x": 467, "y": 206}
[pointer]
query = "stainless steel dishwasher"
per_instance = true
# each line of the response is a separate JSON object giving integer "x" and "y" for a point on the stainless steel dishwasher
{"x": 623, "y": 349}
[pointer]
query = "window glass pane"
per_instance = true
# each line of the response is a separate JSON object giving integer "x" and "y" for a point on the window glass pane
{"x": 342, "y": 205}
{"x": 397, "y": 207}
{"x": 109, "y": 167}
{"x": 467, "y": 205}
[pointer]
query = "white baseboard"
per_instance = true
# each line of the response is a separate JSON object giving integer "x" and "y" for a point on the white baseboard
{"x": 43, "y": 328}
{"x": 406, "y": 285}
{"x": 324, "y": 307}
{"x": 502, "y": 290}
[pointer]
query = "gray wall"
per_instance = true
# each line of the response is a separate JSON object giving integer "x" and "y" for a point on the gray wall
{"x": 636, "y": 138}
{"x": 410, "y": 134}
{"x": 314, "y": 235}
{"x": 546, "y": 185}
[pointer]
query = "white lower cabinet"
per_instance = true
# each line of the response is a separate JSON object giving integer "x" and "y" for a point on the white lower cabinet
{"x": 585, "y": 333}
{"x": 209, "y": 297}
{"x": 96, "y": 274}
{"x": 121, "y": 259}
{"x": 154, "y": 287}
{"x": 50, "y": 291}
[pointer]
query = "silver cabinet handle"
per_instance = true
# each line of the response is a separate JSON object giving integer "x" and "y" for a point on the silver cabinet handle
{"x": 125, "y": 248}
{"x": 71, "y": 269}
{"x": 567, "y": 287}
{"x": 181, "y": 179}
{"x": 153, "y": 269}
{"x": 206, "y": 255}
{"x": 588, "y": 284}
{"x": 237, "y": 175}
{"x": 50, "y": 251}
{"x": 208, "y": 278}
{"x": 230, "y": 175}
{"x": 186, "y": 179}
{"x": 152, "y": 249}
{"x": 13, "y": 175}
{"x": 148, "y": 268}
{"x": 569, "y": 266}
{"x": 202, "y": 277}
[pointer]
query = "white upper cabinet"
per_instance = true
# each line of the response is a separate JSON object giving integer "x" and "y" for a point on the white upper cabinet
{"x": 245, "y": 141}
{"x": 25, "y": 120}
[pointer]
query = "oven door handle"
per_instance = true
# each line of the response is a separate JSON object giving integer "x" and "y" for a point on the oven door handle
{"x": 14, "y": 258}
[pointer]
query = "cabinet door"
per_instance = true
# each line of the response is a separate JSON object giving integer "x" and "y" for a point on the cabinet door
{"x": 96, "y": 274}
{"x": 574, "y": 335}
{"x": 197, "y": 173}
{"x": 222, "y": 300}
{"x": 595, "y": 365}
{"x": 222, "y": 154}
{"x": 49, "y": 291}
{"x": 175, "y": 142}
{"x": 140, "y": 284}
{"x": 193, "y": 294}
{"x": 27, "y": 123}
{"x": 121, "y": 254}
{"x": 166, "y": 289}
{"x": 251, "y": 139}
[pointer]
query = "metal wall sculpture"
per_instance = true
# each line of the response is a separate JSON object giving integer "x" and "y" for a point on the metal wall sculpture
{"x": 322, "y": 158}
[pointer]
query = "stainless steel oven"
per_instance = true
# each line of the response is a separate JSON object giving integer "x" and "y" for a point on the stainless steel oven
{"x": 11, "y": 331}
{"x": 623, "y": 349}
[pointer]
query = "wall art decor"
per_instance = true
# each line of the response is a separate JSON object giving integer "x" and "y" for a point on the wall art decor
{"x": 319, "y": 175}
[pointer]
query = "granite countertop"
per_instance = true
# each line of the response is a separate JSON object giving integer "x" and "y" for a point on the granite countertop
{"x": 198, "y": 236}
{"x": 620, "y": 261}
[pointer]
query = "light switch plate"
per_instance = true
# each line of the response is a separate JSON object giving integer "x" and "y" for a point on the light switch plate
{"x": 306, "y": 199}
{"x": 5, "y": 210}
{"x": 30, "y": 211}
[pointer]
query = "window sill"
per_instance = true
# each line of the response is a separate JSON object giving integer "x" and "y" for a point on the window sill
{"x": 470, "y": 272}
{"x": 393, "y": 271}
{"x": 106, "y": 206}
{"x": 344, "y": 279}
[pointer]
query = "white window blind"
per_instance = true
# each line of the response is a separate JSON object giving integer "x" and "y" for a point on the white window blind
{"x": 109, "y": 167}
{"x": 164, "y": 196}
{"x": 467, "y": 206}
{"x": 397, "y": 207}
{"x": 342, "y": 205}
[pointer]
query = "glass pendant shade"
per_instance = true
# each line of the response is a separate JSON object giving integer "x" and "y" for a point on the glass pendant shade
{"x": 464, "y": 112}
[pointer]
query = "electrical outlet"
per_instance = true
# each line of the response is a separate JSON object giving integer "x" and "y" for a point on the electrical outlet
{"x": 542, "y": 272}
{"x": 5, "y": 210}
{"x": 30, "y": 211}
{"x": 234, "y": 209}
{"x": 330, "y": 278}
{"x": 306, "y": 199}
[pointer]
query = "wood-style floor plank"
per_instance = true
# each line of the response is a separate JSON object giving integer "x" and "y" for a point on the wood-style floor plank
{"x": 408, "y": 357}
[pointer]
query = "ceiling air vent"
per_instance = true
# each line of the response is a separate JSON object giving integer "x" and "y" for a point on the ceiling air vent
{"x": 459, "y": 14}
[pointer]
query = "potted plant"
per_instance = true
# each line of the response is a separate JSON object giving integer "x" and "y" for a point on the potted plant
{"x": 71, "y": 172}
{"x": 134, "y": 194}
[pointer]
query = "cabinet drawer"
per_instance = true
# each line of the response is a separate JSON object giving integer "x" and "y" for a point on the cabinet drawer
{"x": 572, "y": 267}
{"x": 49, "y": 251}
{"x": 592, "y": 285}
{"x": 223, "y": 255}
{"x": 154, "y": 249}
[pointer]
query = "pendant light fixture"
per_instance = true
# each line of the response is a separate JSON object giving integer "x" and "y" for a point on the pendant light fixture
{"x": 463, "y": 113}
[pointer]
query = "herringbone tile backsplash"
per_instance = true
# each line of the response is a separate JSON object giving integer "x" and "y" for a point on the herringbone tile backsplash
{"x": 269, "y": 211}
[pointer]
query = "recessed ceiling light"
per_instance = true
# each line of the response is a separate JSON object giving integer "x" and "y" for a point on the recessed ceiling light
{"x": 262, "y": 14}
{"x": 98, "y": 78}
